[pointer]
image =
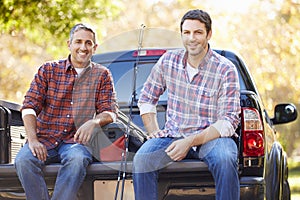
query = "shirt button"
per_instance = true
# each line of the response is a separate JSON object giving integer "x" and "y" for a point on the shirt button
{"x": 71, "y": 102}
{"x": 68, "y": 116}
{"x": 56, "y": 143}
{"x": 65, "y": 130}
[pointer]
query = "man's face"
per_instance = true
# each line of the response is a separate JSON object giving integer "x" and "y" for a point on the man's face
{"x": 195, "y": 37}
{"x": 82, "y": 47}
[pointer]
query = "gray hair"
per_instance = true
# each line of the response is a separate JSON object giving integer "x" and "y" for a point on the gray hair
{"x": 82, "y": 26}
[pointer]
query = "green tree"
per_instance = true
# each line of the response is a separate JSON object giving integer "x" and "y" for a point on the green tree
{"x": 40, "y": 21}
{"x": 33, "y": 31}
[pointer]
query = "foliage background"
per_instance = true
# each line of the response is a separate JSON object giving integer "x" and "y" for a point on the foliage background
{"x": 266, "y": 33}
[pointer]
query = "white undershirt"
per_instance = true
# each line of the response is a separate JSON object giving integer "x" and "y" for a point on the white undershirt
{"x": 79, "y": 70}
{"x": 191, "y": 71}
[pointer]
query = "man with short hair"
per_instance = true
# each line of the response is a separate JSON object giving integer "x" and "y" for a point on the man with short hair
{"x": 66, "y": 101}
{"x": 202, "y": 114}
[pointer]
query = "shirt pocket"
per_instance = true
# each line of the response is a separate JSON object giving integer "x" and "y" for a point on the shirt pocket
{"x": 207, "y": 92}
{"x": 203, "y": 100}
{"x": 201, "y": 95}
{"x": 207, "y": 96}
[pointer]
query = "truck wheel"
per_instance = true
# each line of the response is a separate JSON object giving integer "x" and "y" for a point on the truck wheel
{"x": 286, "y": 192}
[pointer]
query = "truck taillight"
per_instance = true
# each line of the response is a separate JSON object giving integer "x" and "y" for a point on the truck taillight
{"x": 252, "y": 132}
{"x": 149, "y": 52}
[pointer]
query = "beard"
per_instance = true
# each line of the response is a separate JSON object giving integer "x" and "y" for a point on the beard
{"x": 196, "y": 51}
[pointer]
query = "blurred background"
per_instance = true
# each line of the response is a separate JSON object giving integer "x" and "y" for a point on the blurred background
{"x": 266, "y": 33}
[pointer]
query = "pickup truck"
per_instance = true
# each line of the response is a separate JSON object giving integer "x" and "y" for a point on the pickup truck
{"x": 263, "y": 167}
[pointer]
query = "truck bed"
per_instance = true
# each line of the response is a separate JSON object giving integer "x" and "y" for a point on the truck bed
{"x": 108, "y": 168}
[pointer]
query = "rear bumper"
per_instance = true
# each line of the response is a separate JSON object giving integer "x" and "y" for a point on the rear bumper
{"x": 203, "y": 187}
{"x": 252, "y": 188}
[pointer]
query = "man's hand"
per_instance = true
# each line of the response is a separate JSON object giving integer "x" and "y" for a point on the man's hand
{"x": 84, "y": 133}
{"x": 179, "y": 149}
{"x": 38, "y": 149}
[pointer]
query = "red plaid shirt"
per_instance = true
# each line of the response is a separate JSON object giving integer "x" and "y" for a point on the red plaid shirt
{"x": 63, "y": 101}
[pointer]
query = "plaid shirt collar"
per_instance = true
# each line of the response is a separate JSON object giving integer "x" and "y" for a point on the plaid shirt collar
{"x": 69, "y": 65}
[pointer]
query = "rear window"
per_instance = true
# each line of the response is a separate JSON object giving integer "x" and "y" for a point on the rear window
{"x": 123, "y": 79}
{"x": 123, "y": 73}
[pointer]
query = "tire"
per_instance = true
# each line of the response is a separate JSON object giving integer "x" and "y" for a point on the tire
{"x": 286, "y": 191}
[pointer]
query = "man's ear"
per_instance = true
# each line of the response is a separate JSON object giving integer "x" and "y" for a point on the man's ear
{"x": 209, "y": 35}
{"x": 95, "y": 47}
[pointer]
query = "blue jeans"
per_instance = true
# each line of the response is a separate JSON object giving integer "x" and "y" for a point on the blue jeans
{"x": 220, "y": 155}
{"x": 74, "y": 159}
